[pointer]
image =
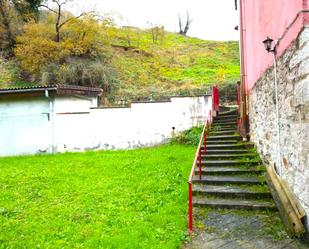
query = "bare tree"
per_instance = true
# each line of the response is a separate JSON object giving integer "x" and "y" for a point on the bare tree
{"x": 184, "y": 30}
{"x": 157, "y": 33}
{"x": 154, "y": 33}
{"x": 59, "y": 13}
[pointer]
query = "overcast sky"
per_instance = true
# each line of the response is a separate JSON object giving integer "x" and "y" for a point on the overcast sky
{"x": 212, "y": 19}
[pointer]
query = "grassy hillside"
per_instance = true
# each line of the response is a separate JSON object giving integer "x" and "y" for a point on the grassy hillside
{"x": 143, "y": 64}
{"x": 173, "y": 65}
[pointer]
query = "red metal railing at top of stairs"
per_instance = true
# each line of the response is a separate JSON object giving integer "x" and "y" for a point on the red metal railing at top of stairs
{"x": 198, "y": 156}
{"x": 215, "y": 98}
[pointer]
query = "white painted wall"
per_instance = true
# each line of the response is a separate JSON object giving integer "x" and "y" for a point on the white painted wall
{"x": 74, "y": 104}
{"x": 27, "y": 125}
{"x": 144, "y": 124}
{"x": 45, "y": 125}
{"x": 24, "y": 126}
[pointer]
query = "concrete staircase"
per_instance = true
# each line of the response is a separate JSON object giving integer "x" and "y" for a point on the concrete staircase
{"x": 232, "y": 172}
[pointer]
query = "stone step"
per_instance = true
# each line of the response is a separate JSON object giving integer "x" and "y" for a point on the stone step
{"x": 223, "y": 162}
{"x": 224, "y": 137}
{"x": 229, "y": 112}
{"x": 222, "y": 117}
{"x": 228, "y": 180}
{"x": 231, "y": 170}
{"x": 221, "y": 123}
{"x": 223, "y": 108}
{"x": 223, "y": 132}
{"x": 225, "y": 120}
{"x": 218, "y": 125}
{"x": 224, "y": 127}
{"x": 224, "y": 151}
{"x": 230, "y": 191}
{"x": 220, "y": 156}
{"x": 228, "y": 146}
{"x": 234, "y": 204}
{"x": 211, "y": 142}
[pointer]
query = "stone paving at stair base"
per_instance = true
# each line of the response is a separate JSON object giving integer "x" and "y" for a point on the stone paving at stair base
{"x": 232, "y": 230}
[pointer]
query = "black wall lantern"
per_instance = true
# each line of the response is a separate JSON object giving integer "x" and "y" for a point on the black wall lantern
{"x": 268, "y": 45}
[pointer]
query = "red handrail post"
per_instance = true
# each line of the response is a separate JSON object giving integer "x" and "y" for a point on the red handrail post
{"x": 190, "y": 210}
{"x": 210, "y": 118}
{"x": 205, "y": 134}
{"x": 200, "y": 163}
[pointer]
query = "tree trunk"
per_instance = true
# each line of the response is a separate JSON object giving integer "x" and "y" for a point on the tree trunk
{"x": 58, "y": 24}
{"x": 186, "y": 29}
{"x": 7, "y": 27}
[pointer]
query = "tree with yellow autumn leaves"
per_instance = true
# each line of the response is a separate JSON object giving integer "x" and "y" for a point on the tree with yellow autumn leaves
{"x": 39, "y": 45}
{"x": 59, "y": 47}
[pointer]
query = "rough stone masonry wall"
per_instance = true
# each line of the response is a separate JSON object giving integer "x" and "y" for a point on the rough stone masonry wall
{"x": 293, "y": 89}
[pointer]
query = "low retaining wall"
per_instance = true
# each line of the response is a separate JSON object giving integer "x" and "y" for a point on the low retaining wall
{"x": 71, "y": 123}
{"x": 36, "y": 125}
{"x": 141, "y": 125}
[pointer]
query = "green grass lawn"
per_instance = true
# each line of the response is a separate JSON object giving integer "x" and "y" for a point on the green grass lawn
{"x": 107, "y": 199}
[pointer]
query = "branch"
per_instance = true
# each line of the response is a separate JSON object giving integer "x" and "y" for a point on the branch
{"x": 50, "y": 9}
{"x": 62, "y": 3}
{"x": 72, "y": 18}
{"x": 180, "y": 23}
{"x": 188, "y": 18}
{"x": 188, "y": 23}
{"x": 59, "y": 4}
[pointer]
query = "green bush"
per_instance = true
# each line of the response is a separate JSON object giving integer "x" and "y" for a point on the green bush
{"x": 9, "y": 71}
{"x": 83, "y": 72}
{"x": 189, "y": 137}
{"x": 228, "y": 92}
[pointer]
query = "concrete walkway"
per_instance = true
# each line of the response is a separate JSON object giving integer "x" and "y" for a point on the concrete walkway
{"x": 230, "y": 229}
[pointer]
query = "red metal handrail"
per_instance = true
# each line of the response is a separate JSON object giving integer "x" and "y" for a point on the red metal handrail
{"x": 198, "y": 156}
{"x": 198, "y": 161}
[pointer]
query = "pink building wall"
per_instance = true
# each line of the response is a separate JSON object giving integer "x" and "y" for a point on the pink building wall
{"x": 262, "y": 18}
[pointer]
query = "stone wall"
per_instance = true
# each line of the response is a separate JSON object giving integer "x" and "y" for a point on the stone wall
{"x": 293, "y": 90}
